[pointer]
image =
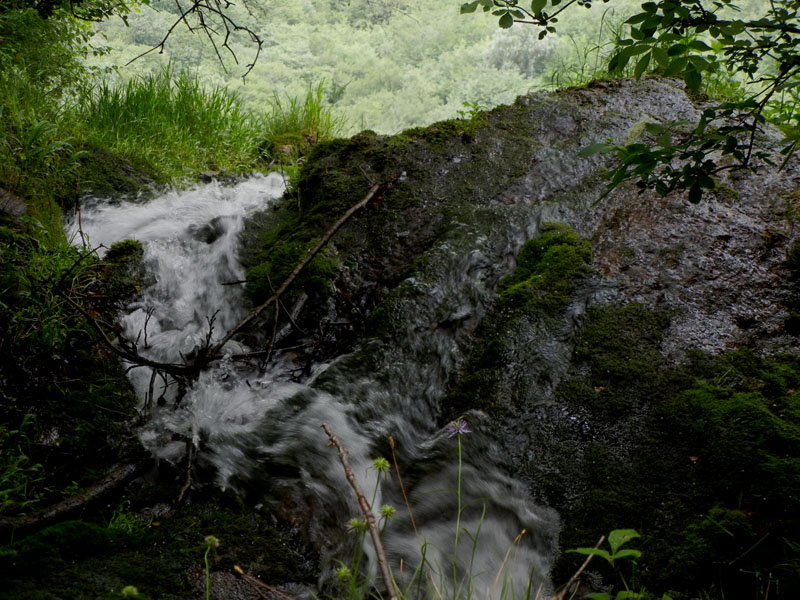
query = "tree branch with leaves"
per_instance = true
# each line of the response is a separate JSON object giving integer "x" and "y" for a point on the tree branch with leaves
{"x": 691, "y": 40}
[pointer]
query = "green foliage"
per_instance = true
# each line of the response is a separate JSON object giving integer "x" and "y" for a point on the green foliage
{"x": 694, "y": 41}
{"x": 170, "y": 123}
{"x": 18, "y": 473}
{"x": 711, "y": 446}
{"x": 291, "y": 126}
{"x": 616, "y": 539}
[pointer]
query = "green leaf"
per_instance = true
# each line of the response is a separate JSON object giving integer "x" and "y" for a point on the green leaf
{"x": 537, "y": 6}
{"x": 506, "y": 21}
{"x": 628, "y": 553}
{"x": 637, "y": 18}
{"x": 699, "y": 45}
{"x": 593, "y": 149}
{"x": 593, "y": 552}
{"x": 642, "y": 65}
{"x": 635, "y": 50}
{"x": 695, "y": 193}
{"x": 692, "y": 78}
{"x": 628, "y": 595}
{"x": 620, "y": 537}
{"x": 676, "y": 66}
{"x": 676, "y": 50}
{"x": 661, "y": 56}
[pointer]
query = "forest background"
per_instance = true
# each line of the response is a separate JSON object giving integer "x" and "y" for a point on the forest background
{"x": 385, "y": 65}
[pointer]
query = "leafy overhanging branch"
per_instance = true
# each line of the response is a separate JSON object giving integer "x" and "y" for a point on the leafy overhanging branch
{"x": 690, "y": 39}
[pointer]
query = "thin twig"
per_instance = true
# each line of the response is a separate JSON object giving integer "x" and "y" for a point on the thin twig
{"x": 188, "y": 483}
{"x": 563, "y": 593}
{"x": 258, "y": 583}
{"x": 402, "y": 487}
{"x": 375, "y": 534}
{"x": 293, "y": 275}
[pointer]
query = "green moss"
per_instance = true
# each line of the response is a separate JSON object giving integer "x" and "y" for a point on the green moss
{"x": 702, "y": 458}
{"x": 548, "y": 268}
{"x": 103, "y": 173}
{"x": 439, "y": 134}
{"x": 161, "y": 558}
{"x": 124, "y": 273}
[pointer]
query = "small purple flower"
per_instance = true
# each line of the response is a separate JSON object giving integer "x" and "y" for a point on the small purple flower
{"x": 457, "y": 427}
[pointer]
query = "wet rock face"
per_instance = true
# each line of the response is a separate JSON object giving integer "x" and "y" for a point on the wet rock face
{"x": 719, "y": 264}
{"x": 588, "y": 398}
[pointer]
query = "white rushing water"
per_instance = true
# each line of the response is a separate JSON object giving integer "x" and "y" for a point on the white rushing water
{"x": 256, "y": 428}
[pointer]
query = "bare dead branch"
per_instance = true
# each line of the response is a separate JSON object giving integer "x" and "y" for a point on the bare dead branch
{"x": 74, "y": 504}
{"x": 363, "y": 504}
{"x": 205, "y": 12}
{"x": 297, "y": 270}
{"x": 259, "y": 584}
{"x": 188, "y": 481}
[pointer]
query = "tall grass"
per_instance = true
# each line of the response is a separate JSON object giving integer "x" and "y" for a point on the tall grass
{"x": 292, "y": 124}
{"x": 589, "y": 62}
{"x": 172, "y": 123}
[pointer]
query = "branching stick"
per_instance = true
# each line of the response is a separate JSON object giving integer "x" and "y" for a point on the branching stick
{"x": 214, "y": 351}
{"x": 363, "y": 503}
{"x": 565, "y": 590}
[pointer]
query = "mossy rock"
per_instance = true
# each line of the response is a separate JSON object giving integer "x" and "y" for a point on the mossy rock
{"x": 548, "y": 269}
{"x": 124, "y": 274}
{"x": 103, "y": 173}
{"x": 702, "y": 458}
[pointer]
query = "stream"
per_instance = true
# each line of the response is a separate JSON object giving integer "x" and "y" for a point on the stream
{"x": 256, "y": 428}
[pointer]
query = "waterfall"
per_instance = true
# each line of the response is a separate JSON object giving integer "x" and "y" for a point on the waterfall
{"x": 257, "y": 428}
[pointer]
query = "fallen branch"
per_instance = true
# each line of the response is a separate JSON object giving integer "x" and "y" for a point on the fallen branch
{"x": 383, "y": 564}
{"x": 188, "y": 481}
{"x": 297, "y": 270}
{"x": 74, "y": 504}
{"x": 186, "y": 372}
{"x": 259, "y": 584}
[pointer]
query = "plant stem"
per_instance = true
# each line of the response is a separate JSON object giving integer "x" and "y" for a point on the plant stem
{"x": 458, "y": 520}
{"x": 208, "y": 572}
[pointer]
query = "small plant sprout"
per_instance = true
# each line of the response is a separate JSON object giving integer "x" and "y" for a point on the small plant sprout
{"x": 130, "y": 591}
{"x": 380, "y": 464}
{"x": 210, "y": 542}
{"x": 387, "y": 511}
{"x": 357, "y": 525}
{"x": 343, "y": 573}
{"x": 616, "y": 539}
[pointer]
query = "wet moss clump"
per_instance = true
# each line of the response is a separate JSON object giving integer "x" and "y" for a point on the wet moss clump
{"x": 535, "y": 295}
{"x": 124, "y": 273}
{"x": 547, "y": 269}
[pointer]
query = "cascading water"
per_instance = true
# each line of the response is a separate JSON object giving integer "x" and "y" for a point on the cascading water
{"x": 258, "y": 429}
